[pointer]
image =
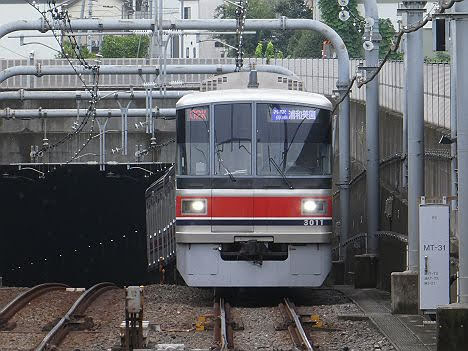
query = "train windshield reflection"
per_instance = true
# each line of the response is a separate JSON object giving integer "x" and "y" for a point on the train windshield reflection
{"x": 293, "y": 140}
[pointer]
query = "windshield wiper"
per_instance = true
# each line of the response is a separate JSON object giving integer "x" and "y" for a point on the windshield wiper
{"x": 285, "y": 152}
{"x": 224, "y": 166}
{"x": 286, "y": 181}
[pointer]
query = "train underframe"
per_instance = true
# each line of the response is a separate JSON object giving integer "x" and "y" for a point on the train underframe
{"x": 255, "y": 262}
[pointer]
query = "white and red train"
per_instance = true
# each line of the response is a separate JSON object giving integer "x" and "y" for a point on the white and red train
{"x": 253, "y": 204}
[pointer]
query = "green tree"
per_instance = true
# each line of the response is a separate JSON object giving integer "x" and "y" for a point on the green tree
{"x": 71, "y": 52}
{"x": 259, "y": 50}
{"x": 305, "y": 44}
{"x": 350, "y": 30}
{"x": 439, "y": 57}
{"x": 283, "y": 40}
{"x": 387, "y": 31}
{"x": 269, "y": 51}
{"x": 255, "y": 9}
{"x": 128, "y": 46}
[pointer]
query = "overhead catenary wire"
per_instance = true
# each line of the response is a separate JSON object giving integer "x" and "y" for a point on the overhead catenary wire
{"x": 241, "y": 13}
{"x": 61, "y": 15}
{"x": 393, "y": 49}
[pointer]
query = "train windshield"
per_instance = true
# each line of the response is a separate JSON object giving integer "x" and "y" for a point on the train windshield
{"x": 233, "y": 139}
{"x": 293, "y": 140}
{"x": 193, "y": 141}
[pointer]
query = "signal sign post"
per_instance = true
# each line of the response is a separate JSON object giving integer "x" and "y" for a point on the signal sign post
{"x": 434, "y": 250}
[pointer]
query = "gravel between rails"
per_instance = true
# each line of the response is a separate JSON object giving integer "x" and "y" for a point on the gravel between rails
{"x": 355, "y": 335}
{"x": 259, "y": 329}
{"x": 175, "y": 310}
{"x": 8, "y": 294}
{"x": 339, "y": 334}
{"x": 32, "y": 319}
{"x": 106, "y": 313}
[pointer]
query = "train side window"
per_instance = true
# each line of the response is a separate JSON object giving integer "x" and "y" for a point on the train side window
{"x": 233, "y": 139}
{"x": 193, "y": 141}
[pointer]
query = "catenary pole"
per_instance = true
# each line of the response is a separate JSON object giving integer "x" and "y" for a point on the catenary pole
{"x": 414, "y": 58}
{"x": 453, "y": 113}
{"x": 372, "y": 39}
{"x": 461, "y": 72}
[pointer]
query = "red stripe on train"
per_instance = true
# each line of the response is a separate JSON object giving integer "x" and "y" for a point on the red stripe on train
{"x": 254, "y": 206}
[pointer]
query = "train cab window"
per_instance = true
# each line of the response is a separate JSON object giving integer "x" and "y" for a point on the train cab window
{"x": 233, "y": 139}
{"x": 193, "y": 141}
{"x": 293, "y": 140}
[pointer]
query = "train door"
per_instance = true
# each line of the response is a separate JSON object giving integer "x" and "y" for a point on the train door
{"x": 232, "y": 194}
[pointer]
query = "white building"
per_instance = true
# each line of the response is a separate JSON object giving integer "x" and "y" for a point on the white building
{"x": 10, "y": 48}
{"x": 190, "y": 44}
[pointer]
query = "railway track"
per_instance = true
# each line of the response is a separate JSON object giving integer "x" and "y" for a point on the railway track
{"x": 223, "y": 333}
{"x": 290, "y": 331}
{"x": 22, "y": 300}
{"x": 296, "y": 331}
{"x": 53, "y": 339}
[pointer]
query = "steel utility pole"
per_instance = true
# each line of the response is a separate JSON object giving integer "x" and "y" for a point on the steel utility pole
{"x": 82, "y": 12}
{"x": 452, "y": 319}
{"x": 461, "y": 72}
{"x": 372, "y": 39}
{"x": 453, "y": 113}
{"x": 156, "y": 42}
{"x": 404, "y": 285}
{"x": 90, "y": 15}
{"x": 366, "y": 265}
{"x": 414, "y": 58}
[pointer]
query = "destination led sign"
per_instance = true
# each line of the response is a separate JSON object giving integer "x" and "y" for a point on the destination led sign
{"x": 286, "y": 114}
{"x": 198, "y": 114}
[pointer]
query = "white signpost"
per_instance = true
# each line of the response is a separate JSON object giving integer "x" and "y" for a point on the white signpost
{"x": 434, "y": 250}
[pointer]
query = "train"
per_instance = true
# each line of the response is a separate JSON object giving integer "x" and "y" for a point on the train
{"x": 248, "y": 202}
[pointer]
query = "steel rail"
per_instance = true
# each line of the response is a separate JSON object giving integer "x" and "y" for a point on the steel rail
{"x": 296, "y": 331}
{"x": 223, "y": 336}
{"x": 60, "y": 330}
{"x": 15, "y": 305}
{"x": 222, "y": 316}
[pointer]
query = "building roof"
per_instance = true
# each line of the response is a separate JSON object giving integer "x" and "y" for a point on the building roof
{"x": 261, "y": 95}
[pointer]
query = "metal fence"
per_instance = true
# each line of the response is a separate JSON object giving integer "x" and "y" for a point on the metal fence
{"x": 318, "y": 75}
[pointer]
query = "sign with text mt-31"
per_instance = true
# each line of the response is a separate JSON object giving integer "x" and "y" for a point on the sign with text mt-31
{"x": 434, "y": 255}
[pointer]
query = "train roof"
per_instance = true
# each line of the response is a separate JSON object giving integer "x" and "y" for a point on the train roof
{"x": 260, "y": 95}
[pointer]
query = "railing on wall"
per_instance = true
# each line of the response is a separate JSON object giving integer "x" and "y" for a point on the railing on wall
{"x": 318, "y": 75}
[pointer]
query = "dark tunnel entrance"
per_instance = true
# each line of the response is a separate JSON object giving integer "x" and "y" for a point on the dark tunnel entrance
{"x": 74, "y": 224}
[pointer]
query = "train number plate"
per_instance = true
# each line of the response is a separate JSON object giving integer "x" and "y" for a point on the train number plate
{"x": 313, "y": 222}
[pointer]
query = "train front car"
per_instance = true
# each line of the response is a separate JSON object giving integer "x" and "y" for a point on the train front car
{"x": 253, "y": 197}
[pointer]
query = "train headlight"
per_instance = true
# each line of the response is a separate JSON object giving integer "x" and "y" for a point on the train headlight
{"x": 194, "y": 206}
{"x": 198, "y": 206}
{"x": 312, "y": 206}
